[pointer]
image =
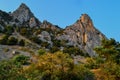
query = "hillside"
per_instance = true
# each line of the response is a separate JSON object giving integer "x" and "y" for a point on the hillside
{"x": 35, "y": 50}
{"x": 82, "y": 34}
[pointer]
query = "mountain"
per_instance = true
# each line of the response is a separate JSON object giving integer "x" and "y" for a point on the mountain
{"x": 23, "y": 25}
{"x": 25, "y": 17}
{"x": 83, "y": 34}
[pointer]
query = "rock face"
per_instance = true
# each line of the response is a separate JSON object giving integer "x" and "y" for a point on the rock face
{"x": 48, "y": 25}
{"x": 25, "y": 17}
{"x": 83, "y": 34}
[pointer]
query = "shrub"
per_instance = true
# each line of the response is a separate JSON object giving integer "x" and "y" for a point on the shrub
{"x": 58, "y": 66}
{"x": 73, "y": 50}
{"x": 9, "y": 71}
{"x": 41, "y": 51}
{"x": 21, "y": 42}
{"x": 45, "y": 44}
{"x": 54, "y": 49}
{"x": 4, "y": 39}
{"x": 8, "y": 30}
{"x": 20, "y": 60}
{"x": 12, "y": 41}
{"x": 35, "y": 39}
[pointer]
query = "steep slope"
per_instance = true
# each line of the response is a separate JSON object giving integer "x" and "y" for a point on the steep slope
{"x": 83, "y": 34}
{"x": 25, "y": 17}
{"x": 5, "y": 19}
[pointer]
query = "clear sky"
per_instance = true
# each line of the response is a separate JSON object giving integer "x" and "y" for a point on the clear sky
{"x": 104, "y": 13}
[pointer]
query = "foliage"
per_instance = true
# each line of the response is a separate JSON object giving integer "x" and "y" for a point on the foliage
{"x": 20, "y": 60}
{"x": 45, "y": 44}
{"x": 9, "y": 71}
{"x": 59, "y": 43}
{"x": 8, "y": 30}
{"x": 7, "y": 40}
{"x": 57, "y": 66}
{"x": 41, "y": 51}
{"x": 12, "y": 41}
{"x": 73, "y": 50}
{"x": 4, "y": 39}
{"x": 54, "y": 49}
{"x": 21, "y": 42}
{"x": 109, "y": 52}
{"x": 25, "y": 31}
{"x": 36, "y": 39}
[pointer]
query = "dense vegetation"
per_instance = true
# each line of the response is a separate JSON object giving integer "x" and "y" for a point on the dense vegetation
{"x": 106, "y": 65}
{"x": 52, "y": 63}
{"x": 57, "y": 66}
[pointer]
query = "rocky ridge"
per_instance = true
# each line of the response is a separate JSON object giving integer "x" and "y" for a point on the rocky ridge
{"x": 81, "y": 34}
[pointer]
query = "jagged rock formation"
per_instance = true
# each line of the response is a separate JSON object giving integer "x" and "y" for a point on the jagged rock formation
{"x": 49, "y": 25}
{"x": 83, "y": 34}
{"x": 25, "y": 17}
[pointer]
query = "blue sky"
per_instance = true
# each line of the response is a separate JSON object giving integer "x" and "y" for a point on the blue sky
{"x": 104, "y": 13}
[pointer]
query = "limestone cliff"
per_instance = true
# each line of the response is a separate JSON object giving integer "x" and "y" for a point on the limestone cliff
{"x": 83, "y": 34}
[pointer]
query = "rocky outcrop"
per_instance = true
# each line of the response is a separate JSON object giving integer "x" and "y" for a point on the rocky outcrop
{"x": 83, "y": 34}
{"x": 24, "y": 16}
{"x": 4, "y": 16}
{"x": 48, "y": 25}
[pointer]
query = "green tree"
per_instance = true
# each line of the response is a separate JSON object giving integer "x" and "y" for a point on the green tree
{"x": 109, "y": 51}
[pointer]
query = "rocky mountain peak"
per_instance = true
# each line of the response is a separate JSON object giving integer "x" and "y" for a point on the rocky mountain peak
{"x": 85, "y": 21}
{"x": 23, "y": 6}
{"x": 85, "y": 18}
{"x": 24, "y": 15}
{"x": 83, "y": 34}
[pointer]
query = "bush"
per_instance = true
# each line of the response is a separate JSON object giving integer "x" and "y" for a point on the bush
{"x": 73, "y": 50}
{"x": 9, "y": 71}
{"x": 45, "y": 44}
{"x": 21, "y": 60}
{"x": 35, "y": 39}
{"x": 54, "y": 49}
{"x": 8, "y": 30}
{"x": 21, "y": 42}
{"x": 12, "y": 41}
{"x": 58, "y": 66}
{"x": 41, "y": 52}
{"x": 4, "y": 39}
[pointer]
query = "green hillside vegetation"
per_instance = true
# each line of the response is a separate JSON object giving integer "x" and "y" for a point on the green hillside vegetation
{"x": 52, "y": 63}
{"x": 60, "y": 66}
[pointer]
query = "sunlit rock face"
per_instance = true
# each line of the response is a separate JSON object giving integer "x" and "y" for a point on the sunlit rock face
{"x": 83, "y": 34}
